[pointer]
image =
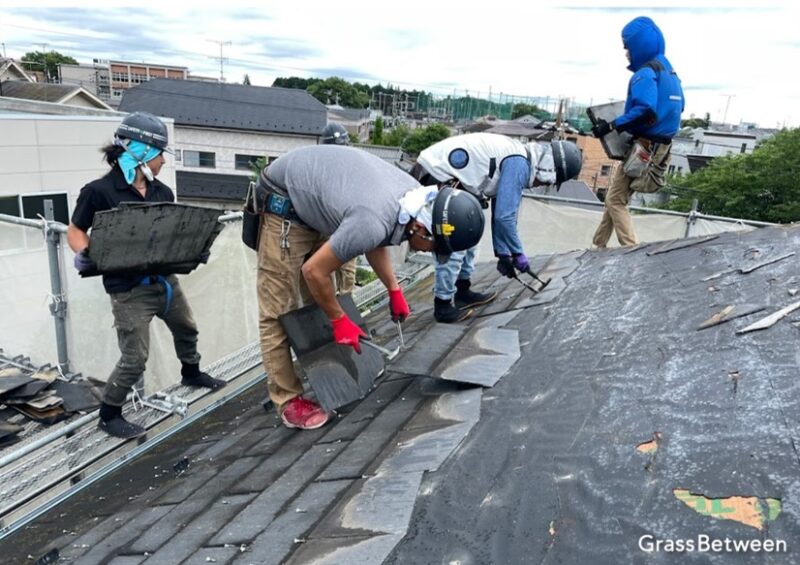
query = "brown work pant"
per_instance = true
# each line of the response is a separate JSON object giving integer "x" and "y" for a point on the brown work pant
{"x": 133, "y": 311}
{"x": 346, "y": 277}
{"x": 616, "y": 216}
{"x": 281, "y": 289}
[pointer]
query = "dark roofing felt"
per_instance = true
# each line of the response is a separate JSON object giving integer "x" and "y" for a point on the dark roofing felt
{"x": 43, "y": 92}
{"x": 211, "y": 186}
{"x": 621, "y": 419}
{"x": 230, "y": 106}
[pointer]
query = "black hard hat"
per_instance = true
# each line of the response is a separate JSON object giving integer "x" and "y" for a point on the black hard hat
{"x": 567, "y": 159}
{"x": 335, "y": 133}
{"x": 144, "y": 127}
{"x": 457, "y": 222}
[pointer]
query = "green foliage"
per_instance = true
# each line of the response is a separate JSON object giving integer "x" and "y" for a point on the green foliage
{"x": 257, "y": 167}
{"x": 421, "y": 139}
{"x": 294, "y": 82}
{"x": 763, "y": 185}
{"x": 697, "y": 122}
{"x": 397, "y": 136}
{"x": 46, "y": 61}
{"x": 520, "y": 110}
{"x": 364, "y": 276}
{"x": 335, "y": 90}
{"x": 376, "y": 137}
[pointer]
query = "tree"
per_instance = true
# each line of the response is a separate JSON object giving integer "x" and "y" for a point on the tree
{"x": 397, "y": 136}
{"x": 697, "y": 122}
{"x": 520, "y": 110}
{"x": 423, "y": 138}
{"x": 294, "y": 82}
{"x": 335, "y": 90}
{"x": 246, "y": 80}
{"x": 46, "y": 61}
{"x": 376, "y": 137}
{"x": 763, "y": 185}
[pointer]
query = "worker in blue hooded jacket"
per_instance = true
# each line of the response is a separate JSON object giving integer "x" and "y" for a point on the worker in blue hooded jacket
{"x": 652, "y": 115}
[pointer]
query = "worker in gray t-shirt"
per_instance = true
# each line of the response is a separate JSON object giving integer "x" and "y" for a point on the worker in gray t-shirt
{"x": 324, "y": 205}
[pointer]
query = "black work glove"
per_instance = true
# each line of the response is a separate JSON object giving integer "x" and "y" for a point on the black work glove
{"x": 602, "y": 128}
{"x": 505, "y": 266}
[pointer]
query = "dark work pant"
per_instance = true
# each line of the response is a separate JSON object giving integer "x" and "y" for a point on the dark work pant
{"x": 133, "y": 311}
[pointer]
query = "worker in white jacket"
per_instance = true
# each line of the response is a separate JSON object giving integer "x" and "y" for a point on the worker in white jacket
{"x": 494, "y": 168}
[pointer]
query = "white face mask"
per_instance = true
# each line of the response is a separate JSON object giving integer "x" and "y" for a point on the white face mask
{"x": 148, "y": 174}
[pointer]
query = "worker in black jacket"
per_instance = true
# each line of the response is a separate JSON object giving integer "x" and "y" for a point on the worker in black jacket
{"x": 136, "y": 157}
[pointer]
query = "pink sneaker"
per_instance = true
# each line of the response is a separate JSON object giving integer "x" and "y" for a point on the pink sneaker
{"x": 303, "y": 414}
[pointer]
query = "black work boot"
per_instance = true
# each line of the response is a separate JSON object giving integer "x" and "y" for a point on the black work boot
{"x": 193, "y": 376}
{"x": 444, "y": 312}
{"x": 465, "y": 298}
{"x": 112, "y": 422}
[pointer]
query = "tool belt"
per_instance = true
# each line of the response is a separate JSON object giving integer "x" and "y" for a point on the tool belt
{"x": 263, "y": 199}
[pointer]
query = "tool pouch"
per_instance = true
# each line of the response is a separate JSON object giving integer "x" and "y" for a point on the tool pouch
{"x": 251, "y": 219}
{"x": 637, "y": 160}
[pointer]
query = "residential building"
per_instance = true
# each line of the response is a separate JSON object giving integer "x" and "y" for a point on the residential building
{"x": 693, "y": 149}
{"x": 108, "y": 79}
{"x": 355, "y": 120}
{"x": 47, "y": 156}
{"x": 11, "y": 70}
{"x": 222, "y": 129}
{"x": 65, "y": 94}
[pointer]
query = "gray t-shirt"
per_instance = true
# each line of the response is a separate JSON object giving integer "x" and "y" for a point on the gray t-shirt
{"x": 345, "y": 193}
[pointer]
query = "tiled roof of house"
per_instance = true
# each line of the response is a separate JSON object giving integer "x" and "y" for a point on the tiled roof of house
{"x": 229, "y": 106}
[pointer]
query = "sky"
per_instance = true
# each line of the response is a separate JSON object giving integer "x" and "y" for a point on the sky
{"x": 737, "y": 60}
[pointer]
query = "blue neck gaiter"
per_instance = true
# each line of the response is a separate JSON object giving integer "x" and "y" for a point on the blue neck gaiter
{"x": 136, "y": 152}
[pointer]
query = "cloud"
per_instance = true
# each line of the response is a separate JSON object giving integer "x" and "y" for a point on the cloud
{"x": 707, "y": 87}
{"x": 347, "y": 73}
{"x": 277, "y": 48}
{"x": 666, "y": 9}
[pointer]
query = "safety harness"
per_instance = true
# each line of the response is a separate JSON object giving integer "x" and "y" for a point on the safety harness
{"x": 149, "y": 280}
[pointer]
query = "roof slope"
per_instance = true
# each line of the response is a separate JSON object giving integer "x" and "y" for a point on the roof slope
{"x": 621, "y": 419}
{"x": 45, "y": 92}
{"x": 230, "y": 106}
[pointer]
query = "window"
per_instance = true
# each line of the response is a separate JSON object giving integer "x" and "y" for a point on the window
{"x": 31, "y": 206}
{"x": 9, "y": 205}
{"x": 177, "y": 154}
{"x": 605, "y": 170}
{"x": 744, "y": 148}
{"x": 204, "y": 159}
{"x": 245, "y": 162}
{"x": 671, "y": 169}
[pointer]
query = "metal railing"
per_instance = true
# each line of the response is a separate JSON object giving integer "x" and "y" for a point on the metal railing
{"x": 692, "y": 215}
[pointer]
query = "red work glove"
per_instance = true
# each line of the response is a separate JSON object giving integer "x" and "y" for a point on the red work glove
{"x": 398, "y": 305}
{"x": 346, "y": 332}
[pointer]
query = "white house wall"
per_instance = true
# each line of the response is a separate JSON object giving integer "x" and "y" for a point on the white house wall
{"x": 225, "y": 144}
{"x": 47, "y": 154}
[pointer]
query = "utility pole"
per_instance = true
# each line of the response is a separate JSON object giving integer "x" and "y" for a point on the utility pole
{"x": 4, "y": 50}
{"x": 221, "y": 59}
{"x": 727, "y": 105}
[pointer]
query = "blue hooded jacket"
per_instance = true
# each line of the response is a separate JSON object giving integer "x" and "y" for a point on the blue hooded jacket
{"x": 655, "y": 97}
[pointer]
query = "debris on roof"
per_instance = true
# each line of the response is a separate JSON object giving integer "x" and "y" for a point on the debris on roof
{"x": 558, "y": 461}
{"x": 749, "y": 510}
